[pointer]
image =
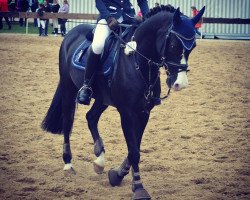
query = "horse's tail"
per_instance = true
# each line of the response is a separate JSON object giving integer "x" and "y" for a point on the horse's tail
{"x": 53, "y": 121}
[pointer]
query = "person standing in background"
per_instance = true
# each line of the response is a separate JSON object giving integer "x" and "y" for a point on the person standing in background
{"x": 12, "y": 8}
{"x": 55, "y": 8}
{"x": 63, "y": 9}
{"x": 23, "y": 6}
{"x": 4, "y": 8}
{"x": 40, "y": 20}
{"x": 34, "y": 7}
{"x": 47, "y": 9}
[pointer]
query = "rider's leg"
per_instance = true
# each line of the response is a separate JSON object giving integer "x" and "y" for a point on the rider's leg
{"x": 102, "y": 31}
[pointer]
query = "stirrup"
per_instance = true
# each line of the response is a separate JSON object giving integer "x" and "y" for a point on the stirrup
{"x": 84, "y": 95}
{"x": 86, "y": 87}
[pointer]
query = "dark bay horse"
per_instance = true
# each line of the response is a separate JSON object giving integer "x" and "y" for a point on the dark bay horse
{"x": 165, "y": 38}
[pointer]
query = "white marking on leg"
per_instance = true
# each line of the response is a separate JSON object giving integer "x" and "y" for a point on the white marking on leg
{"x": 68, "y": 166}
{"x": 100, "y": 161}
{"x": 99, "y": 164}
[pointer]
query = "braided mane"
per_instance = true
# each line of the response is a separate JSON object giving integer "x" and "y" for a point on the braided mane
{"x": 155, "y": 10}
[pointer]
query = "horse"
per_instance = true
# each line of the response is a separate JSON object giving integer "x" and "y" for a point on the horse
{"x": 165, "y": 39}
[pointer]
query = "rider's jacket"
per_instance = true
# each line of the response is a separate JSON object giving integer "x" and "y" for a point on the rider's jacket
{"x": 118, "y": 8}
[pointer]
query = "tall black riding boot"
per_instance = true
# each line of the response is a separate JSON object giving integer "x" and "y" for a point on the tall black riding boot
{"x": 85, "y": 92}
{"x": 56, "y": 30}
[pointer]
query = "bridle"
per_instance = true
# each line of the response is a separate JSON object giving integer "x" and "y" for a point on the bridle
{"x": 169, "y": 65}
{"x": 171, "y": 68}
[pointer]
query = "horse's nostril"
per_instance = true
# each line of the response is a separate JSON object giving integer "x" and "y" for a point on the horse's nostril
{"x": 177, "y": 87}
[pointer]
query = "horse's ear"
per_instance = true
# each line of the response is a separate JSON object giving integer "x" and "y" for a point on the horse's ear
{"x": 197, "y": 17}
{"x": 177, "y": 16}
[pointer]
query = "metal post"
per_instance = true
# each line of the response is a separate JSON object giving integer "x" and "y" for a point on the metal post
{"x": 27, "y": 25}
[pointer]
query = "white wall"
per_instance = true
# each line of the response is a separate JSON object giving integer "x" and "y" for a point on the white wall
{"x": 214, "y": 8}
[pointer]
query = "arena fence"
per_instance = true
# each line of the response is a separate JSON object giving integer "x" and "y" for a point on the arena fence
{"x": 85, "y": 16}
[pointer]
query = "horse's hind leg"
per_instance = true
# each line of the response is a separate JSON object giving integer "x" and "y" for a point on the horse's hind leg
{"x": 93, "y": 117}
{"x": 68, "y": 109}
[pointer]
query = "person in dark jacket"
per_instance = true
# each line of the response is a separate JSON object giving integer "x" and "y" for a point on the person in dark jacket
{"x": 47, "y": 8}
{"x": 34, "y": 7}
{"x": 112, "y": 12}
{"x": 55, "y": 8}
{"x": 23, "y": 6}
{"x": 41, "y": 21}
{"x": 12, "y": 8}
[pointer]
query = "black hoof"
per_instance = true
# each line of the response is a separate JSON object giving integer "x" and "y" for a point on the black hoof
{"x": 114, "y": 178}
{"x": 141, "y": 194}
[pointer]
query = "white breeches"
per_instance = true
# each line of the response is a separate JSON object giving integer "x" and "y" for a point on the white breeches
{"x": 102, "y": 31}
{"x": 41, "y": 23}
{"x": 55, "y": 23}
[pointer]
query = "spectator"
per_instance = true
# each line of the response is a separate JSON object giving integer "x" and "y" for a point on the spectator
{"x": 55, "y": 9}
{"x": 4, "y": 8}
{"x": 62, "y": 22}
{"x": 47, "y": 9}
{"x": 23, "y": 6}
{"x": 198, "y": 25}
{"x": 40, "y": 20}
{"x": 34, "y": 7}
{"x": 12, "y": 8}
{"x": 157, "y": 4}
{"x": 12, "y": 5}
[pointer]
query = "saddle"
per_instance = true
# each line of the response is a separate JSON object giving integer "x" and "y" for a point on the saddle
{"x": 109, "y": 56}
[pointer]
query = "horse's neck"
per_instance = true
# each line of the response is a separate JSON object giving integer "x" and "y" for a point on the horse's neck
{"x": 145, "y": 37}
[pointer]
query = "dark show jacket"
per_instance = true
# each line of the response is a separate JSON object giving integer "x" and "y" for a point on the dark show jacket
{"x": 118, "y": 8}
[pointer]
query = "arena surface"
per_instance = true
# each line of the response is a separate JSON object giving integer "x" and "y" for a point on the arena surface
{"x": 196, "y": 144}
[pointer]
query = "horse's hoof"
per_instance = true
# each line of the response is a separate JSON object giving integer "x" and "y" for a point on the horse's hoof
{"x": 99, "y": 163}
{"x": 141, "y": 194}
{"x": 98, "y": 169}
{"x": 114, "y": 178}
{"x": 68, "y": 168}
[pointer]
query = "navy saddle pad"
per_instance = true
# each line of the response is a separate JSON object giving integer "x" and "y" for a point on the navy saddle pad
{"x": 108, "y": 57}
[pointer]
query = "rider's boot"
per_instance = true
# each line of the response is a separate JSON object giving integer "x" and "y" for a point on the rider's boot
{"x": 85, "y": 93}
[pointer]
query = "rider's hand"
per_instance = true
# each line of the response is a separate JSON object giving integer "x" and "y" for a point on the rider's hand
{"x": 113, "y": 24}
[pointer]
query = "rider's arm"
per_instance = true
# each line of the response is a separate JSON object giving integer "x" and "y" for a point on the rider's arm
{"x": 143, "y": 4}
{"x": 101, "y": 7}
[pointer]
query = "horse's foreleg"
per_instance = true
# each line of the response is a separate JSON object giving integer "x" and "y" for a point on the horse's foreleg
{"x": 93, "y": 117}
{"x": 133, "y": 125}
{"x": 137, "y": 186}
{"x": 116, "y": 175}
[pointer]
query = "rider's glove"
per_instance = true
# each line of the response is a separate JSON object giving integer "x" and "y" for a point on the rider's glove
{"x": 113, "y": 24}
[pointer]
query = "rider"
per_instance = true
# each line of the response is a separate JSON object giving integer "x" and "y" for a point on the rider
{"x": 112, "y": 12}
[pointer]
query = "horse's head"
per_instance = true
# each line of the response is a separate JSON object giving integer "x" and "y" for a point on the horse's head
{"x": 175, "y": 45}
